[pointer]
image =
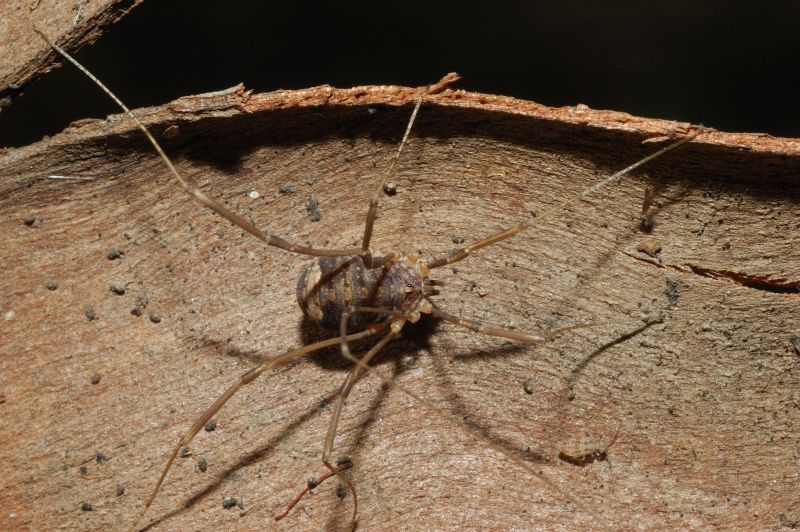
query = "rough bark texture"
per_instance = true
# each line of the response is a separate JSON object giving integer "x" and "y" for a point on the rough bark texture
{"x": 706, "y": 402}
{"x": 71, "y": 24}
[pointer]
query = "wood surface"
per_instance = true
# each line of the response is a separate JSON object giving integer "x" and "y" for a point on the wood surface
{"x": 73, "y": 24}
{"x": 706, "y": 402}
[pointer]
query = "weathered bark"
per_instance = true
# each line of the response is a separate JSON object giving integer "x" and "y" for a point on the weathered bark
{"x": 71, "y": 24}
{"x": 706, "y": 402}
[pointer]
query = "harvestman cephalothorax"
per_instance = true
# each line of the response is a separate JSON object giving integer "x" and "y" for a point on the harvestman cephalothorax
{"x": 361, "y": 293}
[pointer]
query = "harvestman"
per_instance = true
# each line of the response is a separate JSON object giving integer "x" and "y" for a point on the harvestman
{"x": 359, "y": 289}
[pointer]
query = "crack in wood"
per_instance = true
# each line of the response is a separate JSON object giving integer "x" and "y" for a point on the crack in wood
{"x": 775, "y": 286}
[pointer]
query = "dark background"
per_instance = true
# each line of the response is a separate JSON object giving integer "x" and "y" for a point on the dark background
{"x": 723, "y": 64}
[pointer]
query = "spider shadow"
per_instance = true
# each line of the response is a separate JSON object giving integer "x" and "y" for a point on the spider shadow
{"x": 578, "y": 370}
{"x": 466, "y": 413}
{"x": 414, "y": 341}
{"x": 246, "y": 460}
{"x": 414, "y": 338}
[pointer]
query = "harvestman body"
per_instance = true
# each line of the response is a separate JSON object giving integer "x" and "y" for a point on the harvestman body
{"x": 357, "y": 289}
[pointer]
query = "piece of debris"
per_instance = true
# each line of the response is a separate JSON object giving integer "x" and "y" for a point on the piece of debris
{"x": 100, "y": 458}
{"x": 202, "y": 464}
{"x": 86, "y": 507}
{"x": 253, "y": 194}
{"x": 89, "y": 311}
{"x": 656, "y": 140}
{"x": 527, "y": 386}
{"x": 341, "y": 492}
{"x": 143, "y": 299}
{"x": 312, "y": 208}
{"x": 83, "y": 470}
{"x": 155, "y": 317}
{"x": 185, "y": 452}
{"x": 649, "y": 247}
{"x": 570, "y": 393}
{"x": 114, "y": 254}
{"x": 646, "y": 218}
{"x": 171, "y": 132}
{"x": 211, "y": 425}
{"x": 95, "y": 378}
{"x": 141, "y": 303}
{"x": 287, "y": 188}
{"x": 51, "y": 285}
{"x": 29, "y": 219}
{"x": 390, "y": 188}
{"x": 651, "y": 316}
{"x": 457, "y": 239}
{"x": 789, "y": 521}
{"x": 116, "y": 288}
{"x": 120, "y": 490}
{"x": 231, "y": 502}
{"x": 795, "y": 339}
{"x": 672, "y": 292}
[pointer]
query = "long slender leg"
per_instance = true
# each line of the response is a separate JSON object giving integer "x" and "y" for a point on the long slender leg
{"x": 463, "y": 253}
{"x": 362, "y": 365}
{"x": 374, "y": 201}
{"x": 506, "y": 333}
{"x": 310, "y": 485}
{"x": 351, "y": 379}
{"x": 345, "y": 346}
{"x": 193, "y": 191}
{"x": 246, "y": 378}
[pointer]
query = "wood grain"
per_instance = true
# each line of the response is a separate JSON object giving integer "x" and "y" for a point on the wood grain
{"x": 71, "y": 24}
{"x": 707, "y": 401}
